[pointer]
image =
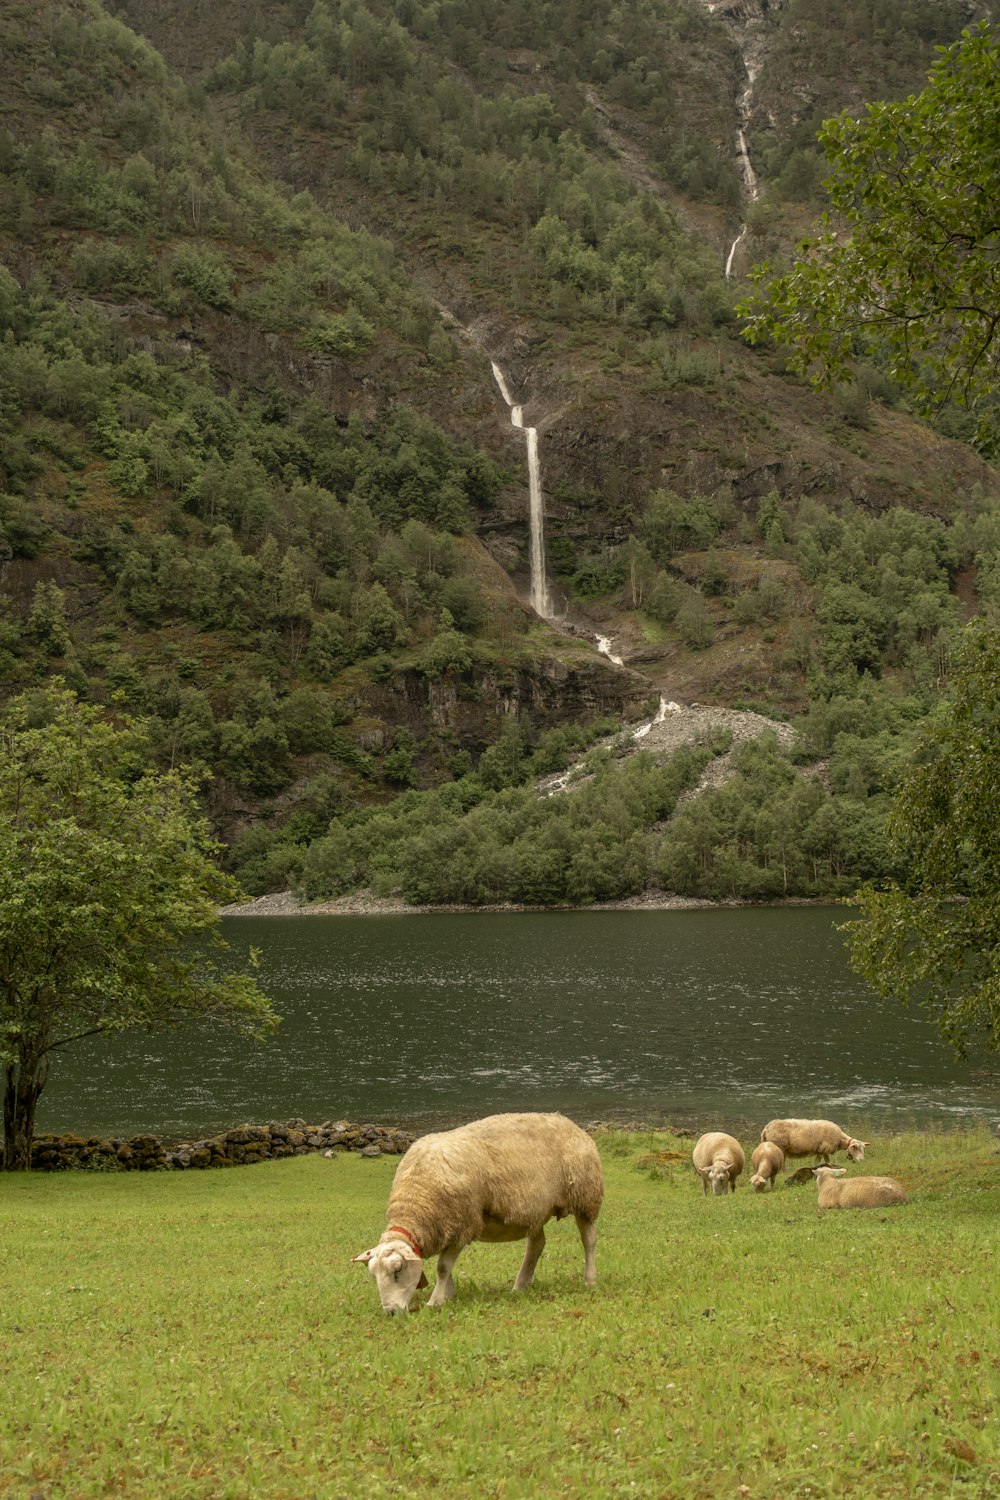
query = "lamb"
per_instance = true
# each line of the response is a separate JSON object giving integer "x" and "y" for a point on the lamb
{"x": 767, "y": 1161}
{"x": 497, "y": 1179}
{"x": 856, "y": 1192}
{"x": 819, "y": 1138}
{"x": 718, "y": 1159}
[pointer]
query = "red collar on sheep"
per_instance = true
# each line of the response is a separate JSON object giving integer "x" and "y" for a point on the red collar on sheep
{"x": 398, "y": 1229}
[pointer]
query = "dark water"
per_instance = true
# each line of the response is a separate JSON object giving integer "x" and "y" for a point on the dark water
{"x": 720, "y": 1017}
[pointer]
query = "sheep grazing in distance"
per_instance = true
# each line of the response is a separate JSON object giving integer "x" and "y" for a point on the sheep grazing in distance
{"x": 497, "y": 1179}
{"x": 856, "y": 1192}
{"x": 767, "y": 1161}
{"x": 718, "y": 1159}
{"x": 819, "y": 1138}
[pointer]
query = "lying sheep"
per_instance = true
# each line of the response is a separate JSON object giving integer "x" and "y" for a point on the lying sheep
{"x": 856, "y": 1192}
{"x": 767, "y": 1161}
{"x": 819, "y": 1138}
{"x": 494, "y": 1180}
{"x": 718, "y": 1159}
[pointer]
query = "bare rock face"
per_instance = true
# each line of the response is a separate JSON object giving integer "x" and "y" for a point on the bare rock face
{"x": 577, "y": 685}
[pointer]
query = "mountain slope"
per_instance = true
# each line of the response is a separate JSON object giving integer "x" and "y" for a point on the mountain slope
{"x": 261, "y": 481}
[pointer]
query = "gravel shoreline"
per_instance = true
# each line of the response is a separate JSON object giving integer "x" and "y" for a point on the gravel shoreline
{"x": 364, "y": 904}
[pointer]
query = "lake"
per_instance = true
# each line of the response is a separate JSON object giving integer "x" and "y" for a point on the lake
{"x": 701, "y": 1018}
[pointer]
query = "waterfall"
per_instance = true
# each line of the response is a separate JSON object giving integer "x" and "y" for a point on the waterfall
{"x": 750, "y": 180}
{"x": 658, "y": 718}
{"x": 540, "y": 600}
{"x": 604, "y": 647}
{"x": 748, "y": 22}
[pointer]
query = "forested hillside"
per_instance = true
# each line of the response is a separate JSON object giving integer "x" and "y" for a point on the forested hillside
{"x": 260, "y": 486}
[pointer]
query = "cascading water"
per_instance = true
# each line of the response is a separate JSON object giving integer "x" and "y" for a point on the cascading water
{"x": 540, "y": 599}
{"x": 661, "y": 713}
{"x": 748, "y": 22}
{"x": 746, "y": 168}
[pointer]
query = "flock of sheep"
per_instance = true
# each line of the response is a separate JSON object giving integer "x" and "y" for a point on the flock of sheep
{"x": 719, "y": 1159}
{"x": 502, "y": 1178}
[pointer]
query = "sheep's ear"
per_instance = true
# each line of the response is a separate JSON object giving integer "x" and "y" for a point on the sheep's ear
{"x": 364, "y": 1257}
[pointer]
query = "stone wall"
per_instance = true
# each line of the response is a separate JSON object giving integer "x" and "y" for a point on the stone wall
{"x": 238, "y": 1147}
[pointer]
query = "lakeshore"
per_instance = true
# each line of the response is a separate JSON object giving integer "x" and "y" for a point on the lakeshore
{"x": 367, "y": 904}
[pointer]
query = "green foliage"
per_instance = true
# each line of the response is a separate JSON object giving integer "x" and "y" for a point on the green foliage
{"x": 916, "y": 183}
{"x": 46, "y": 624}
{"x": 105, "y": 872}
{"x": 882, "y": 583}
{"x": 769, "y": 834}
{"x": 935, "y": 937}
{"x": 346, "y": 334}
{"x": 601, "y": 575}
{"x": 448, "y": 651}
{"x": 310, "y": 544}
{"x": 206, "y": 273}
{"x": 674, "y": 523}
{"x": 694, "y": 623}
{"x": 491, "y": 838}
{"x": 21, "y": 530}
{"x": 518, "y": 162}
{"x": 238, "y": 562}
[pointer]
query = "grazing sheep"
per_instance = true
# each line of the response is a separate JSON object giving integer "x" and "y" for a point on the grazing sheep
{"x": 856, "y": 1192}
{"x": 767, "y": 1161}
{"x": 494, "y": 1180}
{"x": 819, "y": 1138}
{"x": 718, "y": 1159}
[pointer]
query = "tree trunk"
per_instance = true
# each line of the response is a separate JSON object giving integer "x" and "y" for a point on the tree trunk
{"x": 24, "y": 1081}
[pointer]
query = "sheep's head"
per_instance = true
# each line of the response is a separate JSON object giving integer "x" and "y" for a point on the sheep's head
{"x": 856, "y": 1149}
{"x": 718, "y": 1176}
{"x": 822, "y": 1173}
{"x": 758, "y": 1182}
{"x": 398, "y": 1272}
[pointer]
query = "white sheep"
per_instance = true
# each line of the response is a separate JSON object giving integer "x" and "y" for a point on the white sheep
{"x": 856, "y": 1192}
{"x": 718, "y": 1159}
{"x": 497, "y": 1179}
{"x": 819, "y": 1138}
{"x": 767, "y": 1161}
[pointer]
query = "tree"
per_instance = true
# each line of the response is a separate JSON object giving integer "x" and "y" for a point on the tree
{"x": 917, "y": 182}
{"x": 105, "y": 877}
{"x": 936, "y": 938}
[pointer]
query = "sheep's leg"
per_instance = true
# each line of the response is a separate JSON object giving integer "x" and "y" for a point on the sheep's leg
{"x": 444, "y": 1286}
{"x": 533, "y": 1248}
{"x": 588, "y": 1234}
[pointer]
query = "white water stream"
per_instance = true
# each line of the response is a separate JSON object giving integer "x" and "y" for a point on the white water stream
{"x": 604, "y": 647}
{"x": 540, "y": 598}
{"x": 748, "y": 29}
{"x": 658, "y": 718}
{"x": 750, "y": 180}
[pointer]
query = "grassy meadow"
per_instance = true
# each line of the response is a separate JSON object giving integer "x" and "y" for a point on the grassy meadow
{"x": 206, "y": 1335}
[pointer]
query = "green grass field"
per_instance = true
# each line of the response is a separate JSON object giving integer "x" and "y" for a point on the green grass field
{"x": 206, "y": 1335}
